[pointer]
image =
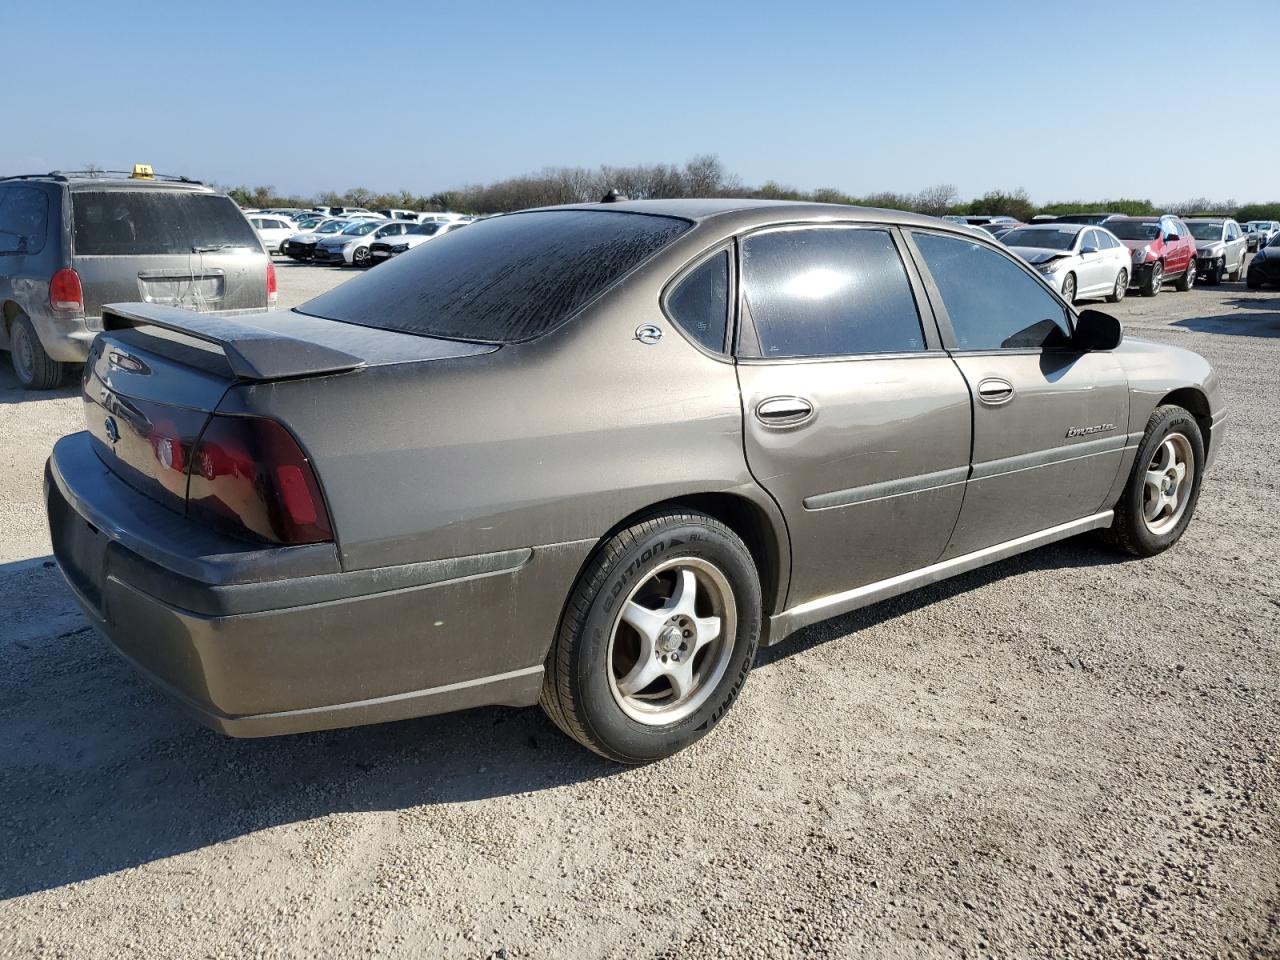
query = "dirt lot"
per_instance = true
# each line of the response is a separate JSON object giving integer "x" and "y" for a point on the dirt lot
{"x": 1069, "y": 753}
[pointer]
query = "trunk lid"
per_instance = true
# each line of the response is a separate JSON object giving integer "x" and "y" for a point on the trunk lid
{"x": 156, "y": 375}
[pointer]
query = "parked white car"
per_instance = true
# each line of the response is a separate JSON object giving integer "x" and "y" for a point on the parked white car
{"x": 352, "y": 244}
{"x": 302, "y": 244}
{"x": 1266, "y": 230}
{"x": 415, "y": 236}
{"x": 273, "y": 230}
{"x": 1076, "y": 259}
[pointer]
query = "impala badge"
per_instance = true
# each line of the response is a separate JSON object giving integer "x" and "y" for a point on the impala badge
{"x": 1085, "y": 431}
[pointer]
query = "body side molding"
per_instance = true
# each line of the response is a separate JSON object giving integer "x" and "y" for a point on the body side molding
{"x": 784, "y": 624}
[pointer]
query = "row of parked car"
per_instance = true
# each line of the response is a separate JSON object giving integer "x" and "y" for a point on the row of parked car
{"x": 1091, "y": 255}
{"x": 351, "y": 236}
{"x": 72, "y": 242}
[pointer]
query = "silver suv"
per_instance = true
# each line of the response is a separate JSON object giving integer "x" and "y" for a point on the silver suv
{"x": 70, "y": 243}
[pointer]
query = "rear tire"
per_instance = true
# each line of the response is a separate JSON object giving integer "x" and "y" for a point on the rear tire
{"x": 1135, "y": 530}
{"x": 616, "y": 692}
{"x": 34, "y": 368}
{"x": 1188, "y": 278}
{"x": 1121, "y": 287}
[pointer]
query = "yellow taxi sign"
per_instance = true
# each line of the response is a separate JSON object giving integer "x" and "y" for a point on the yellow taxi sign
{"x": 142, "y": 171}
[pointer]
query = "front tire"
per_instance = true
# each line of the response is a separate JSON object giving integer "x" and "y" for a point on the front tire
{"x": 1155, "y": 280}
{"x": 1069, "y": 288}
{"x": 361, "y": 257}
{"x": 1236, "y": 275}
{"x": 34, "y": 368}
{"x": 657, "y": 638}
{"x": 1121, "y": 287}
{"x": 1253, "y": 281}
{"x": 1164, "y": 485}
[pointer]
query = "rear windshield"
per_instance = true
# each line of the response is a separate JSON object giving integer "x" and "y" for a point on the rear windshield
{"x": 148, "y": 222}
{"x": 1134, "y": 229}
{"x": 501, "y": 280}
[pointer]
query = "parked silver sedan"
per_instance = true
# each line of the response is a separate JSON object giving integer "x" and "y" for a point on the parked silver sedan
{"x": 593, "y": 457}
{"x": 1078, "y": 260}
{"x": 1221, "y": 248}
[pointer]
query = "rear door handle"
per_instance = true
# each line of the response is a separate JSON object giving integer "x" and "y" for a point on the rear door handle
{"x": 993, "y": 391}
{"x": 784, "y": 411}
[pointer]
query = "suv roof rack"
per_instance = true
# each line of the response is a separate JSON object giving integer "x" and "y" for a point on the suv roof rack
{"x": 64, "y": 175}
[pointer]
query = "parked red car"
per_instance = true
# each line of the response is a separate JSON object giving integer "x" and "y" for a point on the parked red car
{"x": 1163, "y": 250}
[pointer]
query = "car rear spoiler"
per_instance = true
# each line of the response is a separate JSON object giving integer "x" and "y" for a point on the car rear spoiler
{"x": 254, "y": 353}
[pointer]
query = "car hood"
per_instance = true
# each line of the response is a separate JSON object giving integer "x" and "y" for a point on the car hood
{"x": 1038, "y": 255}
{"x": 337, "y": 240}
{"x": 1207, "y": 246}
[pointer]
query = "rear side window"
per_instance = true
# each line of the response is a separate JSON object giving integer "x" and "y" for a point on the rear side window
{"x": 502, "y": 280}
{"x": 829, "y": 292}
{"x": 150, "y": 222}
{"x": 992, "y": 302}
{"x": 24, "y": 219}
{"x": 700, "y": 302}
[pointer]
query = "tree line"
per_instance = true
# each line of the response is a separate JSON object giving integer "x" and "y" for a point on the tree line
{"x": 706, "y": 176}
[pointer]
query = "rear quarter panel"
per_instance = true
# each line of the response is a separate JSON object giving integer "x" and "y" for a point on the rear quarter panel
{"x": 547, "y": 442}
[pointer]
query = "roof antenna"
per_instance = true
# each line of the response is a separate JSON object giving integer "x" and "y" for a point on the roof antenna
{"x": 613, "y": 196}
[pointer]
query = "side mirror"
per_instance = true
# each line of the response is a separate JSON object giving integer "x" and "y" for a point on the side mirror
{"x": 1096, "y": 330}
{"x": 1170, "y": 237}
{"x": 1087, "y": 249}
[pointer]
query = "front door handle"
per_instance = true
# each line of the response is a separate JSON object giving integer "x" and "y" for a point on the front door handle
{"x": 994, "y": 391}
{"x": 784, "y": 411}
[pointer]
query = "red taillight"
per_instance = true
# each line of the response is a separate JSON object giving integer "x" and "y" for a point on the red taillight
{"x": 250, "y": 478}
{"x": 272, "y": 290}
{"x": 65, "y": 292}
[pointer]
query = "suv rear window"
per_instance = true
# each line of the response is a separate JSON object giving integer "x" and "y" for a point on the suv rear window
{"x": 501, "y": 280}
{"x": 149, "y": 222}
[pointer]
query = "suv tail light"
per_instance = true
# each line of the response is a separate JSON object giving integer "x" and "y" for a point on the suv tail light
{"x": 272, "y": 290}
{"x": 65, "y": 293}
{"x": 249, "y": 478}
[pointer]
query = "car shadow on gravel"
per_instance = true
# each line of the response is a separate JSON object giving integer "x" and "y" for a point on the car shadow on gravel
{"x": 1081, "y": 551}
{"x": 1265, "y": 322}
{"x": 100, "y": 773}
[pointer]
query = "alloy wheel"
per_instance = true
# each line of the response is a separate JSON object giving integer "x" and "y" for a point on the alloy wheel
{"x": 1167, "y": 484}
{"x": 1069, "y": 289}
{"x": 1122, "y": 284}
{"x": 672, "y": 641}
{"x": 1157, "y": 276}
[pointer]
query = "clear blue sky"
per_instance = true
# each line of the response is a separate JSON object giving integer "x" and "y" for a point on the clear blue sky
{"x": 1073, "y": 99}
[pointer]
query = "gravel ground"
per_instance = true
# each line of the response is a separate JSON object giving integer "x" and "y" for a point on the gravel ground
{"x": 1066, "y": 754}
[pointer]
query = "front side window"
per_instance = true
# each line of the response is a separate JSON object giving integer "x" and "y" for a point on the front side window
{"x": 992, "y": 302}
{"x": 700, "y": 302}
{"x": 826, "y": 292}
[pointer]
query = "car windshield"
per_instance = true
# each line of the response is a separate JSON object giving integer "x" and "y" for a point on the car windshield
{"x": 425, "y": 228}
{"x": 360, "y": 228}
{"x": 1134, "y": 229}
{"x": 502, "y": 280}
{"x": 123, "y": 222}
{"x": 1206, "y": 231}
{"x": 1045, "y": 237}
{"x": 333, "y": 226}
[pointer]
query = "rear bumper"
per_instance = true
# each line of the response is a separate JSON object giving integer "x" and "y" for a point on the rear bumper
{"x": 66, "y": 339}
{"x": 256, "y": 642}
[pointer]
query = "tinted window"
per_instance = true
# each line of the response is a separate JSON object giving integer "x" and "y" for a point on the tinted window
{"x": 24, "y": 219}
{"x": 142, "y": 222}
{"x": 992, "y": 302}
{"x": 829, "y": 292}
{"x": 501, "y": 280}
{"x": 1050, "y": 238}
{"x": 700, "y": 303}
{"x": 1134, "y": 229}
